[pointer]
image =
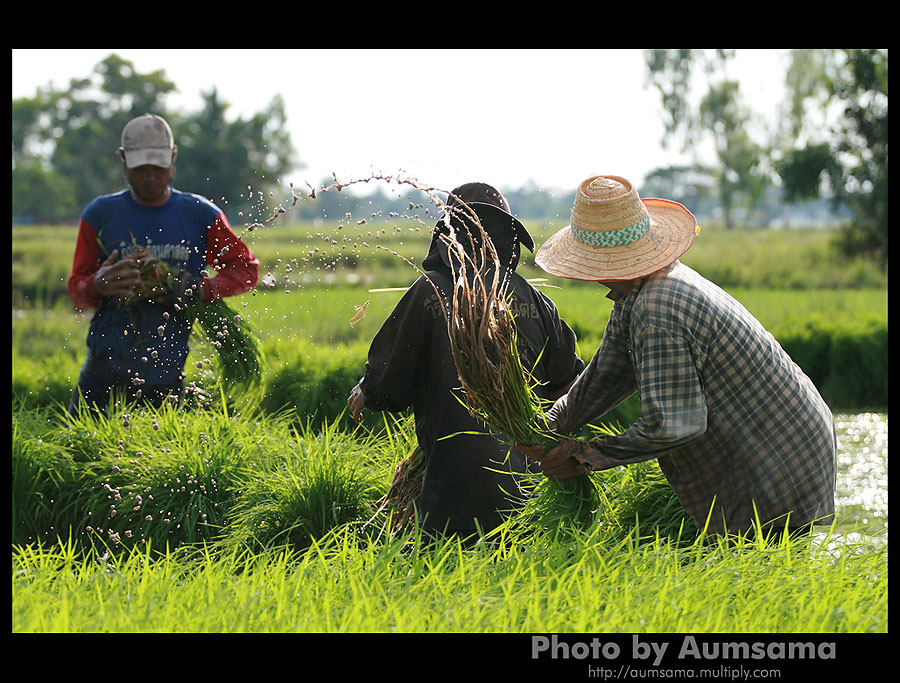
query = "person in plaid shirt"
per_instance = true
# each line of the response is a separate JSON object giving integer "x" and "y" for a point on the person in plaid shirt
{"x": 740, "y": 432}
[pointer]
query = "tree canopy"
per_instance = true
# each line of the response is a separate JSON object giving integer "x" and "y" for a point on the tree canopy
{"x": 844, "y": 156}
{"x": 721, "y": 116}
{"x": 832, "y": 140}
{"x": 65, "y": 141}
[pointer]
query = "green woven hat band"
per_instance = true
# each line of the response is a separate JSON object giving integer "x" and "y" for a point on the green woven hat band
{"x": 613, "y": 238}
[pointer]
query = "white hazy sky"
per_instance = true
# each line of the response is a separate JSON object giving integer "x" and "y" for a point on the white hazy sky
{"x": 445, "y": 117}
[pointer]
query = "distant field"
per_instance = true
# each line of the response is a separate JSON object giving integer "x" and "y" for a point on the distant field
{"x": 309, "y": 255}
{"x": 263, "y": 518}
{"x": 831, "y": 315}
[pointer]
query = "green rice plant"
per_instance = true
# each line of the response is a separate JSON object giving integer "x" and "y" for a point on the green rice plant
{"x": 343, "y": 582}
{"x": 846, "y": 360}
{"x": 558, "y": 508}
{"x": 45, "y": 480}
{"x": 314, "y": 382}
{"x": 141, "y": 474}
{"x": 134, "y": 475}
{"x": 239, "y": 356}
{"x": 322, "y": 480}
{"x": 43, "y": 382}
{"x": 639, "y": 501}
{"x": 154, "y": 480}
{"x": 633, "y": 501}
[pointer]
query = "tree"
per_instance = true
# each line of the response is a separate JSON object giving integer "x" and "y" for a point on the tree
{"x": 720, "y": 115}
{"x": 692, "y": 186}
{"x": 838, "y": 139}
{"x": 236, "y": 163}
{"x": 73, "y": 134}
{"x": 39, "y": 195}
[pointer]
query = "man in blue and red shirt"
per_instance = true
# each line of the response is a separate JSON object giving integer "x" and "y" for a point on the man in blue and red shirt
{"x": 140, "y": 348}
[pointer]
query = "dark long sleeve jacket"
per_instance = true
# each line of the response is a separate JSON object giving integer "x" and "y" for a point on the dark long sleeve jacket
{"x": 470, "y": 474}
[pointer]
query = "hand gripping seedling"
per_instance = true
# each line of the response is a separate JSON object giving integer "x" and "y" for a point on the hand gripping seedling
{"x": 237, "y": 348}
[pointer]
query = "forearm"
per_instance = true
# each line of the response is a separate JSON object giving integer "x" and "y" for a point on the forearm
{"x": 82, "y": 293}
{"x": 605, "y": 383}
{"x": 673, "y": 405}
{"x": 636, "y": 444}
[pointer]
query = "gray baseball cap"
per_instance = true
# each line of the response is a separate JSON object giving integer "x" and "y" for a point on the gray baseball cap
{"x": 147, "y": 139}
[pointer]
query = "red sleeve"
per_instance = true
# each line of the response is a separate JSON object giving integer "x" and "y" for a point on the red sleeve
{"x": 237, "y": 268}
{"x": 84, "y": 267}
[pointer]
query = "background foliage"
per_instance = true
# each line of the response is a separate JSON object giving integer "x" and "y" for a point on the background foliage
{"x": 72, "y": 135}
{"x": 64, "y": 142}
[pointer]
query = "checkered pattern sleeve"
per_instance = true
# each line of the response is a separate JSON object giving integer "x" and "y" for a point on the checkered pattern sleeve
{"x": 673, "y": 405}
{"x": 606, "y": 381}
{"x": 739, "y": 430}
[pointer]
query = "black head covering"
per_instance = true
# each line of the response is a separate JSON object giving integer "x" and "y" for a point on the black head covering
{"x": 492, "y": 210}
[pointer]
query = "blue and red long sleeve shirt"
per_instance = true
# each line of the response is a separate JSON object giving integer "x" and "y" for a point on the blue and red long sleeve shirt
{"x": 149, "y": 340}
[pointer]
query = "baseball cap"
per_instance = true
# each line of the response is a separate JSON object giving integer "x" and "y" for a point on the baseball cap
{"x": 147, "y": 139}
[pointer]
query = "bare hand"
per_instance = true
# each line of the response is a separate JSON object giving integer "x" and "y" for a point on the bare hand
{"x": 182, "y": 288}
{"x": 535, "y": 453}
{"x": 559, "y": 462}
{"x": 356, "y": 403}
{"x": 117, "y": 277}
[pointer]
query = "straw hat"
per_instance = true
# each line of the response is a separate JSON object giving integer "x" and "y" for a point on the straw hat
{"x": 614, "y": 235}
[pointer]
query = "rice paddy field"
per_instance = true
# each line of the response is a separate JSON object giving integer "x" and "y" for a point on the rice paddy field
{"x": 234, "y": 515}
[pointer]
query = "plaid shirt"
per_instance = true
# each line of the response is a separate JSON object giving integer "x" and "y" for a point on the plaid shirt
{"x": 737, "y": 427}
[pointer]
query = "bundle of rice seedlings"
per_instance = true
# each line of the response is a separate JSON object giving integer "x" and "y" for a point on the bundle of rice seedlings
{"x": 238, "y": 351}
{"x": 403, "y": 494}
{"x": 497, "y": 388}
{"x": 153, "y": 273}
{"x": 647, "y": 502}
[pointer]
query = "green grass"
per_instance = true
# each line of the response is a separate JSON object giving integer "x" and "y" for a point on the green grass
{"x": 346, "y": 583}
{"x": 779, "y": 259}
{"x": 264, "y": 518}
{"x": 298, "y": 256}
{"x": 839, "y": 337}
{"x": 829, "y": 314}
{"x": 258, "y": 526}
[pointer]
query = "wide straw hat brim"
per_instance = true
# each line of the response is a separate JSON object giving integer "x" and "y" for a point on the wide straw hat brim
{"x": 671, "y": 233}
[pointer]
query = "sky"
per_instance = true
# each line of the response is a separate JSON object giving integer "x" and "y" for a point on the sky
{"x": 508, "y": 117}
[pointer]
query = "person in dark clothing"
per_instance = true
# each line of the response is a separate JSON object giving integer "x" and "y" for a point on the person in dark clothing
{"x": 471, "y": 477}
